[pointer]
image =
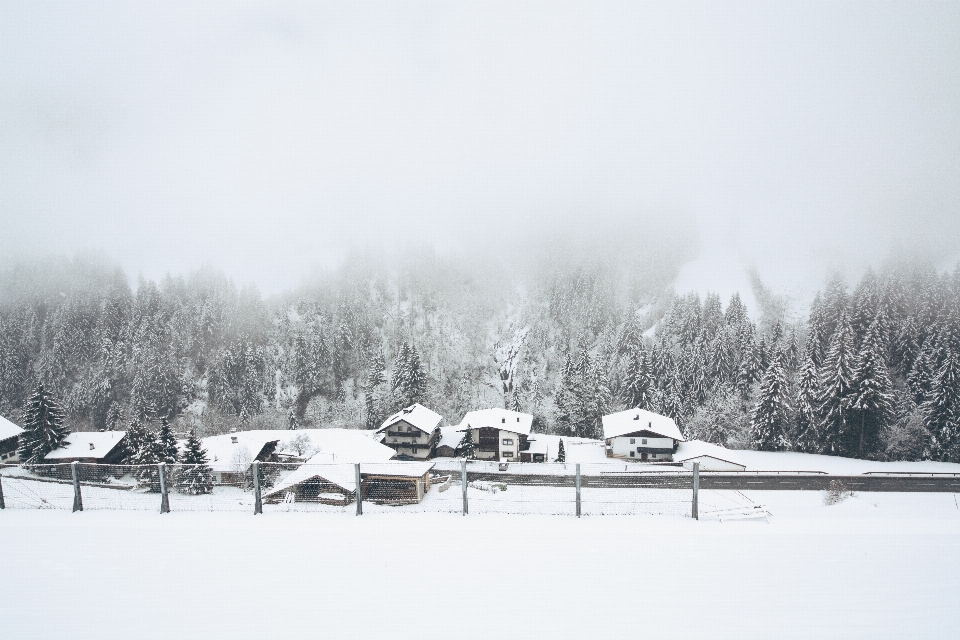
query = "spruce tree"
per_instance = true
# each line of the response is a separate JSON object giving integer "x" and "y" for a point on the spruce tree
{"x": 871, "y": 396}
{"x": 166, "y": 443}
{"x": 134, "y": 442}
{"x": 942, "y": 412}
{"x": 195, "y": 476}
{"x": 836, "y": 381}
{"x": 43, "y": 429}
{"x": 467, "y": 448}
{"x": 807, "y": 438}
{"x": 770, "y": 419}
{"x": 561, "y": 454}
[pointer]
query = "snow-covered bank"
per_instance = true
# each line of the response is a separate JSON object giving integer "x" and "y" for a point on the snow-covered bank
{"x": 883, "y": 566}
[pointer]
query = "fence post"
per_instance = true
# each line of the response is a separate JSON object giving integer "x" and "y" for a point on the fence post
{"x": 578, "y": 489}
{"x": 257, "y": 500}
{"x": 356, "y": 471}
{"x": 3, "y": 505}
{"x": 164, "y": 498}
{"x": 696, "y": 490}
{"x": 77, "y": 498}
{"x": 463, "y": 484}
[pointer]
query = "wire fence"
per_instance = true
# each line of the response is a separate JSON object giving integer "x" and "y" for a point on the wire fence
{"x": 416, "y": 487}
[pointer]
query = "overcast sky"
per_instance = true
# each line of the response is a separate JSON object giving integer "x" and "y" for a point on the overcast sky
{"x": 263, "y": 138}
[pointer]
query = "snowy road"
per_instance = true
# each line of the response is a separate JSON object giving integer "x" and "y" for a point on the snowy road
{"x": 873, "y": 566}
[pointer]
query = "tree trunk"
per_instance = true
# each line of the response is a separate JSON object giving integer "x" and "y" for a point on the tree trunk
{"x": 863, "y": 416}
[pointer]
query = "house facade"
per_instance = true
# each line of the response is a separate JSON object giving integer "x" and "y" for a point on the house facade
{"x": 9, "y": 441}
{"x": 412, "y": 432}
{"x": 498, "y": 434}
{"x": 643, "y": 436}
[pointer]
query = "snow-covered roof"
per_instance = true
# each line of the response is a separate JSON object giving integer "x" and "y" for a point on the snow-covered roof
{"x": 450, "y": 437}
{"x": 236, "y": 451}
{"x": 344, "y": 475}
{"x": 633, "y": 420}
{"x": 496, "y": 418}
{"x": 328, "y": 445}
{"x": 400, "y": 469}
{"x": 86, "y": 444}
{"x": 416, "y": 415}
{"x": 699, "y": 448}
{"x": 8, "y": 429}
{"x": 538, "y": 445}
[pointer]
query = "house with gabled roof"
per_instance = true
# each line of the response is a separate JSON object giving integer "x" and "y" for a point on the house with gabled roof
{"x": 711, "y": 457}
{"x": 99, "y": 447}
{"x": 9, "y": 441}
{"x": 412, "y": 432}
{"x": 449, "y": 443}
{"x": 498, "y": 434}
{"x": 637, "y": 434}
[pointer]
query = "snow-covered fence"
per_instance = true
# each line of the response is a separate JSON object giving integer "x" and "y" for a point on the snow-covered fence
{"x": 333, "y": 488}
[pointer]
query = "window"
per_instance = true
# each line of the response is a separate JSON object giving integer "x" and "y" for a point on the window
{"x": 508, "y": 454}
{"x": 633, "y": 455}
{"x": 644, "y": 441}
{"x": 508, "y": 441}
{"x": 653, "y": 455}
{"x": 414, "y": 449}
{"x": 633, "y": 441}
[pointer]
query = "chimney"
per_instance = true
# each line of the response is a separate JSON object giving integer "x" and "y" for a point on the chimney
{"x": 636, "y": 417}
{"x": 233, "y": 439}
{"x": 91, "y": 446}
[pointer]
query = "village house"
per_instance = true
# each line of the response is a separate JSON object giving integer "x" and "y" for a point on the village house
{"x": 96, "y": 447}
{"x": 230, "y": 455}
{"x": 636, "y": 434}
{"x": 498, "y": 434}
{"x": 9, "y": 440}
{"x": 412, "y": 432}
{"x": 711, "y": 457}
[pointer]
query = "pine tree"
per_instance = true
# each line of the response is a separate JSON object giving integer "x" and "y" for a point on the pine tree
{"x": 43, "y": 429}
{"x": 166, "y": 443}
{"x": 466, "y": 448}
{"x": 639, "y": 389}
{"x": 836, "y": 382}
{"x": 770, "y": 419}
{"x": 942, "y": 412}
{"x": 807, "y": 438}
{"x": 561, "y": 454}
{"x": 134, "y": 442}
{"x": 871, "y": 395}
{"x": 195, "y": 476}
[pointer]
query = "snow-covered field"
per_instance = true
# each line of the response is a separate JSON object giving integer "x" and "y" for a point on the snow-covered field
{"x": 877, "y": 565}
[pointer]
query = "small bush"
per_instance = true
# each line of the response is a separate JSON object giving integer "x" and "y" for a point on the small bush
{"x": 836, "y": 492}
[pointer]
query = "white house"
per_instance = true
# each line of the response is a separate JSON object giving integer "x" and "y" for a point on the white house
{"x": 9, "y": 440}
{"x": 412, "y": 432}
{"x": 711, "y": 457}
{"x": 498, "y": 434}
{"x": 636, "y": 434}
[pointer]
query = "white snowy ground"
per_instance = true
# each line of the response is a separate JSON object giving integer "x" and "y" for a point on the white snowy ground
{"x": 878, "y": 565}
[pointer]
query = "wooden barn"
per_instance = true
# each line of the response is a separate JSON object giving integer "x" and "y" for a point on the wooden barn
{"x": 636, "y": 434}
{"x": 335, "y": 484}
{"x": 98, "y": 447}
{"x": 395, "y": 483}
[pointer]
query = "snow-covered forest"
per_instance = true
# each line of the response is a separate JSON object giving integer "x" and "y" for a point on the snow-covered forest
{"x": 870, "y": 370}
